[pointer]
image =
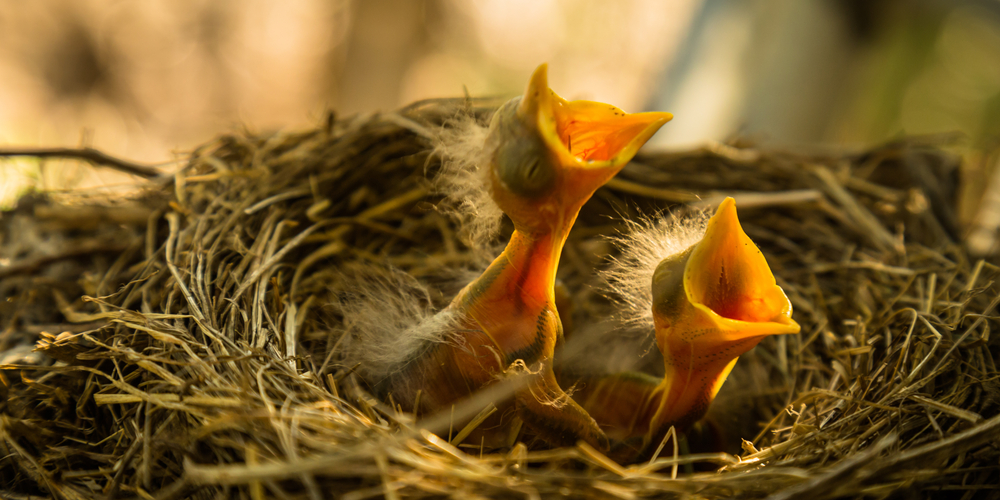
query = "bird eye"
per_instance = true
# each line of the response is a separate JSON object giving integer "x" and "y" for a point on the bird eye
{"x": 524, "y": 168}
{"x": 668, "y": 283}
{"x": 532, "y": 170}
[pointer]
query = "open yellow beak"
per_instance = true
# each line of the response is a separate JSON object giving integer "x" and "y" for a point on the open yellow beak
{"x": 728, "y": 280}
{"x": 728, "y": 303}
{"x": 586, "y": 134}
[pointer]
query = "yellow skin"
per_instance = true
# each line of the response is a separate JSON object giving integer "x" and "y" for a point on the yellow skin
{"x": 548, "y": 157}
{"x": 711, "y": 303}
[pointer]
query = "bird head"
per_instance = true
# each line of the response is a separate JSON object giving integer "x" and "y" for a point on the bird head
{"x": 712, "y": 303}
{"x": 548, "y": 155}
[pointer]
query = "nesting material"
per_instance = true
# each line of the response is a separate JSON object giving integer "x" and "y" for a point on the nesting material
{"x": 194, "y": 348}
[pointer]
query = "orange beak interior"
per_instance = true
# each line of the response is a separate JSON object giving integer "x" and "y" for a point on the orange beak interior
{"x": 727, "y": 275}
{"x": 599, "y": 132}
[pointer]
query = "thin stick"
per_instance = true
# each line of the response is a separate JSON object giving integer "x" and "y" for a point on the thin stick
{"x": 471, "y": 426}
{"x": 670, "y": 433}
{"x": 91, "y": 155}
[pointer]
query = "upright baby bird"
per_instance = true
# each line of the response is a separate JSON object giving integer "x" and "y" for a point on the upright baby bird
{"x": 710, "y": 303}
{"x": 546, "y": 156}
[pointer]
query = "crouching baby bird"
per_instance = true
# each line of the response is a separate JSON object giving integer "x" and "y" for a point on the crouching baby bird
{"x": 546, "y": 156}
{"x": 710, "y": 303}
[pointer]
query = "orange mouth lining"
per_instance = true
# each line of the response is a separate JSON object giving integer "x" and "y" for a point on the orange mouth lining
{"x": 729, "y": 303}
{"x": 729, "y": 276}
{"x": 592, "y": 131}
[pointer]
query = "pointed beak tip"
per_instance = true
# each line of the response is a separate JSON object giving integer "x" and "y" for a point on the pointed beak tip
{"x": 536, "y": 96}
{"x": 794, "y": 326}
{"x": 661, "y": 119}
{"x": 727, "y": 207}
{"x": 789, "y": 325}
{"x": 725, "y": 219}
{"x": 658, "y": 119}
{"x": 539, "y": 78}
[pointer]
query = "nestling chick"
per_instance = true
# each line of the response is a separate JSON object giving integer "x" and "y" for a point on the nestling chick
{"x": 546, "y": 156}
{"x": 709, "y": 304}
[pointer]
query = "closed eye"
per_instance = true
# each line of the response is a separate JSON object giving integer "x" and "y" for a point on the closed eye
{"x": 532, "y": 169}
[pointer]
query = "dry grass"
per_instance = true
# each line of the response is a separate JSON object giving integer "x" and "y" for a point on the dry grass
{"x": 202, "y": 359}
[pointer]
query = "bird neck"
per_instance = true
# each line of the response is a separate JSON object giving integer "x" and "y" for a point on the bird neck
{"x": 684, "y": 397}
{"x": 528, "y": 265}
{"x": 524, "y": 272}
{"x": 686, "y": 392}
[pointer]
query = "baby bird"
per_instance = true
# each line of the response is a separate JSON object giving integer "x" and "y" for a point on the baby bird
{"x": 709, "y": 303}
{"x": 546, "y": 156}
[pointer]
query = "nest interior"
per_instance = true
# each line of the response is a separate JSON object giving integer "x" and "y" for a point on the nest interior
{"x": 182, "y": 344}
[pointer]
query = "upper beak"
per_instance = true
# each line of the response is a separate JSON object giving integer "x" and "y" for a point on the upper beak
{"x": 728, "y": 279}
{"x": 584, "y": 134}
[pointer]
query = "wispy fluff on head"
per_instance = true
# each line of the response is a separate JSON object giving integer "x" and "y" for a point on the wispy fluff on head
{"x": 389, "y": 318}
{"x": 463, "y": 179}
{"x": 646, "y": 242}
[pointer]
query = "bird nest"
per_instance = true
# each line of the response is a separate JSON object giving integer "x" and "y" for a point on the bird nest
{"x": 182, "y": 343}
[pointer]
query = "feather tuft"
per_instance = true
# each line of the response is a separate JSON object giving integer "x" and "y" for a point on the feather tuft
{"x": 643, "y": 245}
{"x": 389, "y": 320}
{"x": 463, "y": 180}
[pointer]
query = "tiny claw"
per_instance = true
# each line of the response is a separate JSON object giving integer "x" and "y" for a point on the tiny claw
{"x": 555, "y": 416}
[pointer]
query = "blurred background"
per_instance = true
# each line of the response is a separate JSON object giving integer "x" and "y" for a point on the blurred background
{"x": 149, "y": 80}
